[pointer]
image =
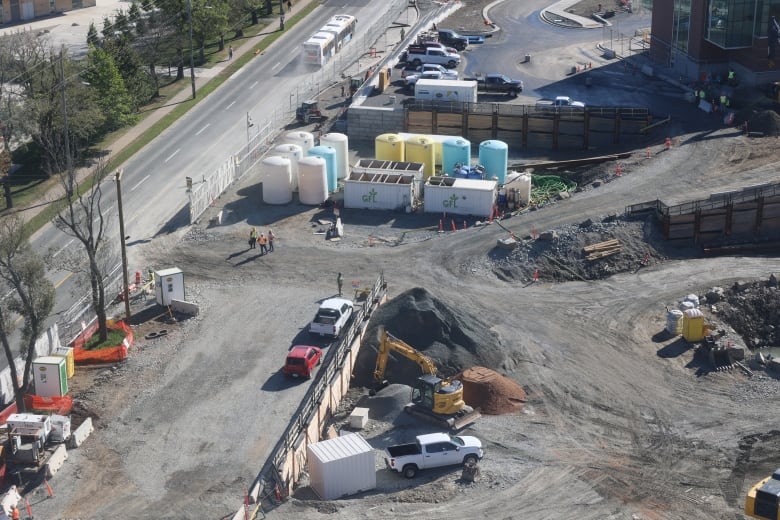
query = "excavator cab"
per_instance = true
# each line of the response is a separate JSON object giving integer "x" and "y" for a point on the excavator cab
{"x": 437, "y": 395}
{"x": 309, "y": 111}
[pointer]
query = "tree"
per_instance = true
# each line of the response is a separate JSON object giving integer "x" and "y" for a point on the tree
{"x": 83, "y": 220}
{"x": 31, "y": 297}
{"x": 93, "y": 40}
{"x": 140, "y": 86}
{"x": 113, "y": 98}
{"x": 208, "y": 22}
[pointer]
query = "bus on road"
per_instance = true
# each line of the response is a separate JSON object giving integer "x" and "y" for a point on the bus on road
{"x": 329, "y": 39}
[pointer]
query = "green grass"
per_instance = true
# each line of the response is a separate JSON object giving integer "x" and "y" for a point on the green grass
{"x": 115, "y": 337}
{"x": 166, "y": 94}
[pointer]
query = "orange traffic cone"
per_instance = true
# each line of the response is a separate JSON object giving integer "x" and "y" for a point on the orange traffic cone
{"x": 618, "y": 170}
{"x": 453, "y": 224}
{"x": 536, "y": 275}
{"x": 668, "y": 143}
{"x": 464, "y": 224}
{"x": 49, "y": 490}
{"x": 648, "y": 152}
{"x": 441, "y": 226}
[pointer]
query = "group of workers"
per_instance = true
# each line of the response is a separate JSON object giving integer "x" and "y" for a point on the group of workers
{"x": 721, "y": 102}
{"x": 266, "y": 243}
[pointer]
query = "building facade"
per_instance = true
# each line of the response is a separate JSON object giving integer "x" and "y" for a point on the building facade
{"x": 15, "y": 11}
{"x": 708, "y": 37}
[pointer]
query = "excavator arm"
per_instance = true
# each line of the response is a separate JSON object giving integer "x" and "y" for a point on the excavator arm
{"x": 391, "y": 343}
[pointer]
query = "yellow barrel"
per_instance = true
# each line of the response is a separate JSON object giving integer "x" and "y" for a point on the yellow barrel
{"x": 693, "y": 325}
{"x": 421, "y": 149}
{"x": 389, "y": 147}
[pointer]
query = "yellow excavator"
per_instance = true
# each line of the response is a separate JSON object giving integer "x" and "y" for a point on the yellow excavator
{"x": 763, "y": 499}
{"x": 433, "y": 398}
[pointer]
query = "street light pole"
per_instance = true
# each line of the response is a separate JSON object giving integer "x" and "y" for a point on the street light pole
{"x": 125, "y": 289}
{"x": 192, "y": 49}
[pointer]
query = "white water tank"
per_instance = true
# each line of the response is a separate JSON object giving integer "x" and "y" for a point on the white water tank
{"x": 294, "y": 153}
{"x": 303, "y": 139}
{"x": 674, "y": 319}
{"x": 312, "y": 180}
{"x": 277, "y": 186}
{"x": 340, "y": 143}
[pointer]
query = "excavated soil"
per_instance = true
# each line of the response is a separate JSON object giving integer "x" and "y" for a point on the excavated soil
{"x": 490, "y": 392}
{"x": 767, "y": 122}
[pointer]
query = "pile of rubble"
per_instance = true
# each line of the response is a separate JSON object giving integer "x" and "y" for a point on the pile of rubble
{"x": 752, "y": 309}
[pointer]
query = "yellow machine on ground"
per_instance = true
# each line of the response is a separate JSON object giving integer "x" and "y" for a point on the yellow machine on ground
{"x": 763, "y": 499}
{"x": 433, "y": 398}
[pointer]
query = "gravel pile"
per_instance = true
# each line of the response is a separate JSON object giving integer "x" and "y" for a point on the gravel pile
{"x": 767, "y": 122}
{"x": 752, "y": 310}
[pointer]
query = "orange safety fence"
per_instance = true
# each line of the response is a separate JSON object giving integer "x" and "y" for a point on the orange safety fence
{"x": 82, "y": 356}
{"x": 48, "y": 405}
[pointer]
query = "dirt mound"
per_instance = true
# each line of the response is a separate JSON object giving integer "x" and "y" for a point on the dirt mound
{"x": 752, "y": 310}
{"x": 491, "y": 392}
{"x": 767, "y": 122}
{"x": 453, "y": 338}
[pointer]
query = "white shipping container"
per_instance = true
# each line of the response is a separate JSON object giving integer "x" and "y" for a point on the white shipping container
{"x": 446, "y": 90}
{"x": 30, "y": 422}
{"x": 460, "y": 196}
{"x": 379, "y": 191}
{"x": 340, "y": 467}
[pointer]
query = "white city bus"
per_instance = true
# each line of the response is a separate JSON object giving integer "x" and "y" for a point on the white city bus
{"x": 318, "y": 49}
{"x": 329, "y": 39}
{"x": 343, "y": 27}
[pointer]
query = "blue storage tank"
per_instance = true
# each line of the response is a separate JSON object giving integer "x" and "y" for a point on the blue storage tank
{"x": 329, "y": 154}
{"x": 494, "y": 156}
{"x": 453, "y": 151}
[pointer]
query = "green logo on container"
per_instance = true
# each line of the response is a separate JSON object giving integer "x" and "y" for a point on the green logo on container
{"x": 370, "y": 197}
{"x": 451, "y": 202}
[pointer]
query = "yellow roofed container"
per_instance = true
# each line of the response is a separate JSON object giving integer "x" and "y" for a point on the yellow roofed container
{"x": 693, "y": 325}
{"x": 389, "y": 147}
{"x": 421, "y": 149}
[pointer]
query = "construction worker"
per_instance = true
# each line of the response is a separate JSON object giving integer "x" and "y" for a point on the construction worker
{"x": 271, "y": 238}
{"x": 702, "y": 94}
{"x": 724, "y": 100}
{"x": 252, "y": 238}
{"x": 732, "y": 77}
{"x": 263, "y": 241}
{"x": 340, "y": 282}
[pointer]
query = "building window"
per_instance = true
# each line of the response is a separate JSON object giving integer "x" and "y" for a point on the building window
{"x": 681, "y": 24}
{"x": 730, "y": 23}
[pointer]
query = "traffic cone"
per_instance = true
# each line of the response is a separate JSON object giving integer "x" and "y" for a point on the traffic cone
{"x": 668, "y": 143}
{"x": 618, "y": 170}
{"x": 49, "y": 490}
{"x": 370, "y": 240}
{"x": 464, "y": 225}
{"x": 27, "y": 507}
{"x": 648, "y": 152}
{"x": 533, "y": 232}
{"x": 441, "y": 226}
{"x": 453, "y": 224}
{"x": 536, "y": 275}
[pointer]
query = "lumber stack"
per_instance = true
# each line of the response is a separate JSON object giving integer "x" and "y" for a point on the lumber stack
{"x": 602, "y": 250}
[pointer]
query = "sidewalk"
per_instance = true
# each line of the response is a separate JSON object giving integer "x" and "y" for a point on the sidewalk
{"x": 202, "y": 77}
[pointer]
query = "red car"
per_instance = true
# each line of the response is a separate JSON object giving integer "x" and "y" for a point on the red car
{"x": 301, "y": 361}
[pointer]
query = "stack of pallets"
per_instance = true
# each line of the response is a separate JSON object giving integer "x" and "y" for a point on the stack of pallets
{"x": 602, "y": 250}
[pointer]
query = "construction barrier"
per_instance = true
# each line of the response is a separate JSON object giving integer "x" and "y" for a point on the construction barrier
{"x": 104, "y": 355}
{"x": 49, "y": 405}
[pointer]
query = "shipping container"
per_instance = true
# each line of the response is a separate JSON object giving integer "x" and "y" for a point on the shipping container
{"x": 460, "y": 196}
{"x": 380, "y": 191}
{"x": 342, "y": 466}
{"x": 446, "y": 90}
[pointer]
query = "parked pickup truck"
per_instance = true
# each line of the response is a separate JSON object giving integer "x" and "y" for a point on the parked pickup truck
{"x": 419, "y": 55}
{"x": 411, "y": 79}
{"x": 559, "y": 102}
{"x": 499, "y": 83}
{"x": 332, "y": 316}
{"x": 433, "y": 450}
{"x": 459, "y": 41}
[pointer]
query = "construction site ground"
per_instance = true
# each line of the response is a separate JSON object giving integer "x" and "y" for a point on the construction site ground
{"x": 620, "y": 420}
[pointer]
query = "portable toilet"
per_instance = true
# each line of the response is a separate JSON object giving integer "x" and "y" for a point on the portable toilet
{"x": 50, "y": 376}
{"x": 169, "y": 285}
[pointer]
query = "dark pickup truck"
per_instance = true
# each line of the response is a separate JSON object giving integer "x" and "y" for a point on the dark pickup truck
{"x": 459, "y": 41}
{"x": 498, "y": 83}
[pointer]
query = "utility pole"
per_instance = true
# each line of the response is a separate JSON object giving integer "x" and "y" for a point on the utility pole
{"x": 68, "y": 158}
{"x": 192, "y": 49}
{"x": 125, "y": 289}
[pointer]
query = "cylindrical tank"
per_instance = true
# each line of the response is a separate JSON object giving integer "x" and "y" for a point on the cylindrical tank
{"x": 340, "y": 143}
{"x": 674, "y": 320}
{"x": 294, "y": 153}
{"x": 277, "y": 188}
{"x": 420, "y": 149}
{"x": 694, "y": 299}
{"x": 389, "y": 147}
{"x": 455, "y": 150}
{"x": 312, "y": 181}
{"x": 303, "y": 139}
{"x": 523, "y": 187}
{"x": 494, "y": 155}
{"x": 693, "y": 325}
{"x": 329, "y": 154}
{"x": 685, "y": 305}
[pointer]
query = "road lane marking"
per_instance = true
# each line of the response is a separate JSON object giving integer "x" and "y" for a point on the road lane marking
{"x": 202, "y": 129}
{"x": 253, "y": 85}
{"x": 63, "y": 248}
{"x": 230, "y": 105}
{"x": 277, "y": 64}
{"x": 172, "y": 155}
{"x": 58, "y": 284}
{"x": 139, "y": 183}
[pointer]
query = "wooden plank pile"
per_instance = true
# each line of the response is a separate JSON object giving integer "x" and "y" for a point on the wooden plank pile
{"x": 602, "y": 250}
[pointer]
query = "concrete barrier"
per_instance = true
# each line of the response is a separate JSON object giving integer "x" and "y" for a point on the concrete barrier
{"x": 185, "y": 307}
{"x": 56, "y": 460}
{"x": 81, "y": 433}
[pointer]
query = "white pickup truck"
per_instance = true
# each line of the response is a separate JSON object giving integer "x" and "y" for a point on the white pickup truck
{"x": 560, "y": 102}
{"x": 332, "y": 316}
{"x": 433, "y": 450}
